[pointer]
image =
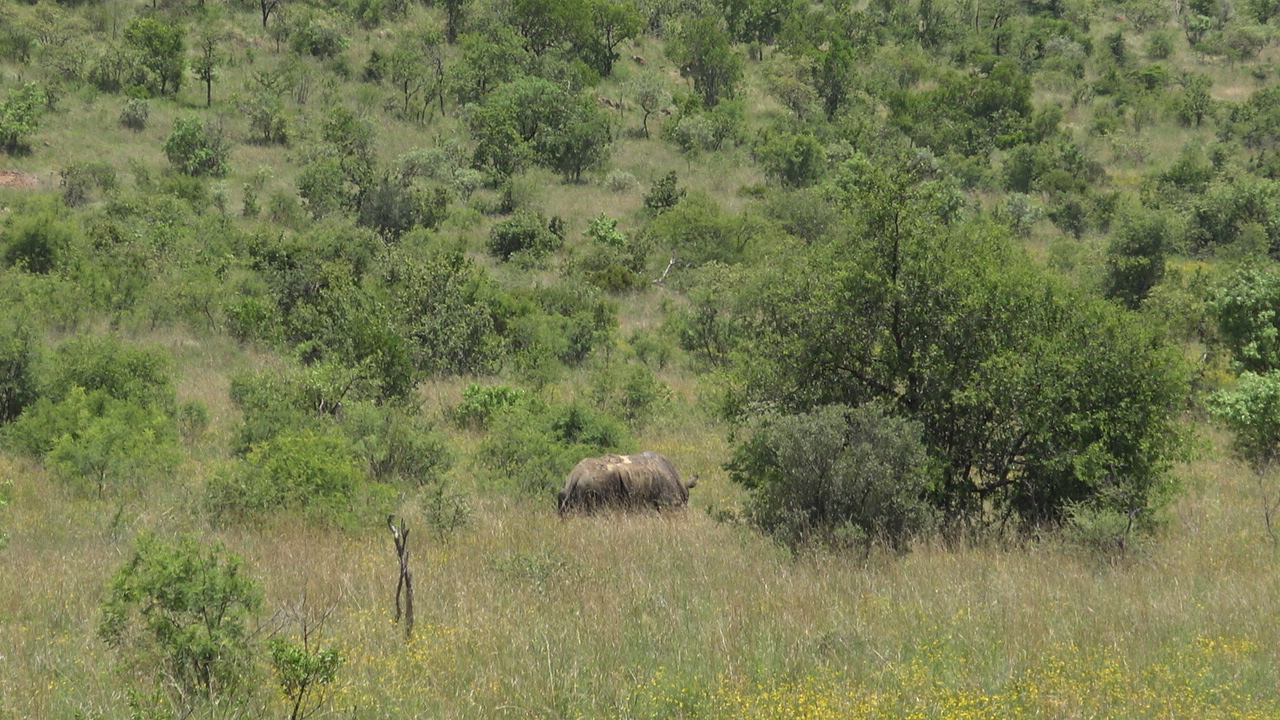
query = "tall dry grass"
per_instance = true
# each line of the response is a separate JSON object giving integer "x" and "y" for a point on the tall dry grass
{"x": 526, "y": 615}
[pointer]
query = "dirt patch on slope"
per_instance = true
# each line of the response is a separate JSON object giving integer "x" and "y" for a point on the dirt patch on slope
{"x": 13, "y": 179}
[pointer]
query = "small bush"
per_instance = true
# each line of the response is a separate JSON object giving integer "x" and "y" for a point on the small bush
{"x": 197, "y": 149}
{"x": 316, "y": 472}
{"x": 37, "y": 243}
{"x": 394, "y": 208}
{"x": 631, "y": 392}
{"x": 664, "y": 194}
{"x": 20, "y": 117}
{"x": 527, "y": 232}
{"x": 620, "y": 181}
{"x": 397, "y": 445}
{"x": 319, "y": 36}
{"x": 80, "y": 179}
{"x": 836, "y": 477}
{"x": 17, "y": 370}
{"x": 134, "y": 114}
{"x": 184, "y": 607}
{"x": 531, "y": 448}
{"x": 122, "y": 370}
{"x": 193, "y": 420}
{"x": 480, "y": 403}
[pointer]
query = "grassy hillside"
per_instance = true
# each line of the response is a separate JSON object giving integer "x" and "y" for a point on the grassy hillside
{"x": 177, "y": 348}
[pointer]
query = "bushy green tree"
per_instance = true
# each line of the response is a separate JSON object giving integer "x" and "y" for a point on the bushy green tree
{"x": 796, "y": 160}
{"x": 1247, "y": 308}
{"x": 37, "y": 241}
{"x": 20, "y": 116}
{"x": 704, "y": 53}
{"x": 447, "y": 306}
{"x": 1031, "y": 397}
{"x": 836, "y": 476}
{"x": 17, "y": 369}
{"x": 162, "y": 51}
{"x": 526, "y": 232}
{"x": 184, "y": 607}
{"x": 531, "y": 447}
{"x": 398, "y": 444}
{"x": 533, "y": 120}
{"x": 197, "y": 149}
{"x": 664, "y": 194}
{"x": 315, "y": 472}
{"x": 105, "y": 443}
{"x": 1136, "y": 257}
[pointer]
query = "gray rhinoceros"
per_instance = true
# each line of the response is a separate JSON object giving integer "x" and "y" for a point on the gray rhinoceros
{"x": 624, "y": 481}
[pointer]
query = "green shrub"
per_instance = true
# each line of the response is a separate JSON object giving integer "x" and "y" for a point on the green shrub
{"x": 37, "y": 242}
{"x": 134, "y": 114}
{"x": 197, "y": 149}
{"x": 20, "y": 117}
{"x": 315, "y": 472}
{"x": 836, "y": 476}
{"x": 318, "y": 35}
{"x": 664, "y": 194}
{"x": 288, "y": 400}
{"x": 397, "y": 445}
{"x": 303, "y": 672}
{"x": 530, "y": 448}
{"x": 17, "y": 370}
{"x": 393, "y": 208}
{"x": 480, "y": 403}
{"x": 795, "y": 160}
{"x": 102, "y": 443}
{"x": 79, "y": 179}
{"x": 122, "y": 370}
{"x": 527, "y": 232}
{"x": 182, "y": 608}
{"x": 631, "y": 392}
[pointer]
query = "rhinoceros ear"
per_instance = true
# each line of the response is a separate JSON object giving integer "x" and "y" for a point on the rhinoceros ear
{"x": 693, "y": 482}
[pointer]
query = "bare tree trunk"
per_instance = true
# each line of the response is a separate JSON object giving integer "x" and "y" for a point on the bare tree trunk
{"x": 401, "y": 536}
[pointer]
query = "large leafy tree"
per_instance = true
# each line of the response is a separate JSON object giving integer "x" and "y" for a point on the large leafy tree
{"x": 533, "y": 120}
{"x": 1032, "y": 398}
{"x": 162, "y": 51}
{"x": 704, "y": 53}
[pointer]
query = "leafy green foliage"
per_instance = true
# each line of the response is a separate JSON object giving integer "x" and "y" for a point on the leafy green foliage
{"x": 314, "y": 472}
{"x": 795, "y": 160}
{"x": 448, "y": 308}
{"x": 526, "y": 232}
{"x": 121, "y": 370}
{"x": 37, "y": 242}
{"x": 103, "y": 442}
{"x": 20, "y": 117}
{"x": 162, "y": 52}
{"x": 533, "y": 120}
{"x": 197, "y": 149}
{"x": 1247, "y": 308}
{"x": 1136, "y": 257}
{"x": 18, "y": 357}
{"x": 80, "y": 179}
{"x": 954, "y": 330}
{"x": 664, "y": 194}
{"x": 480, "y": 403}
{"x": 317, "y": 34}
{"x": 183, "y": 608}
{"x": 703, "y": 52}
{"x": 134, "y": 114}
{"x": 836, "y": 476}
{"x": 1251, "y": 410}
{"x": 398, "y": 445}
{"x": 303, "y": 674}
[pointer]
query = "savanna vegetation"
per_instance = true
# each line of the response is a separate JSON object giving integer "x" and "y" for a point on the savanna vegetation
{"x": 965, "y": 312}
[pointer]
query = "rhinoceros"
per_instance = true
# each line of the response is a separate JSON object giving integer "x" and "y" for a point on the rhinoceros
{"x": 626, "y": 481}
